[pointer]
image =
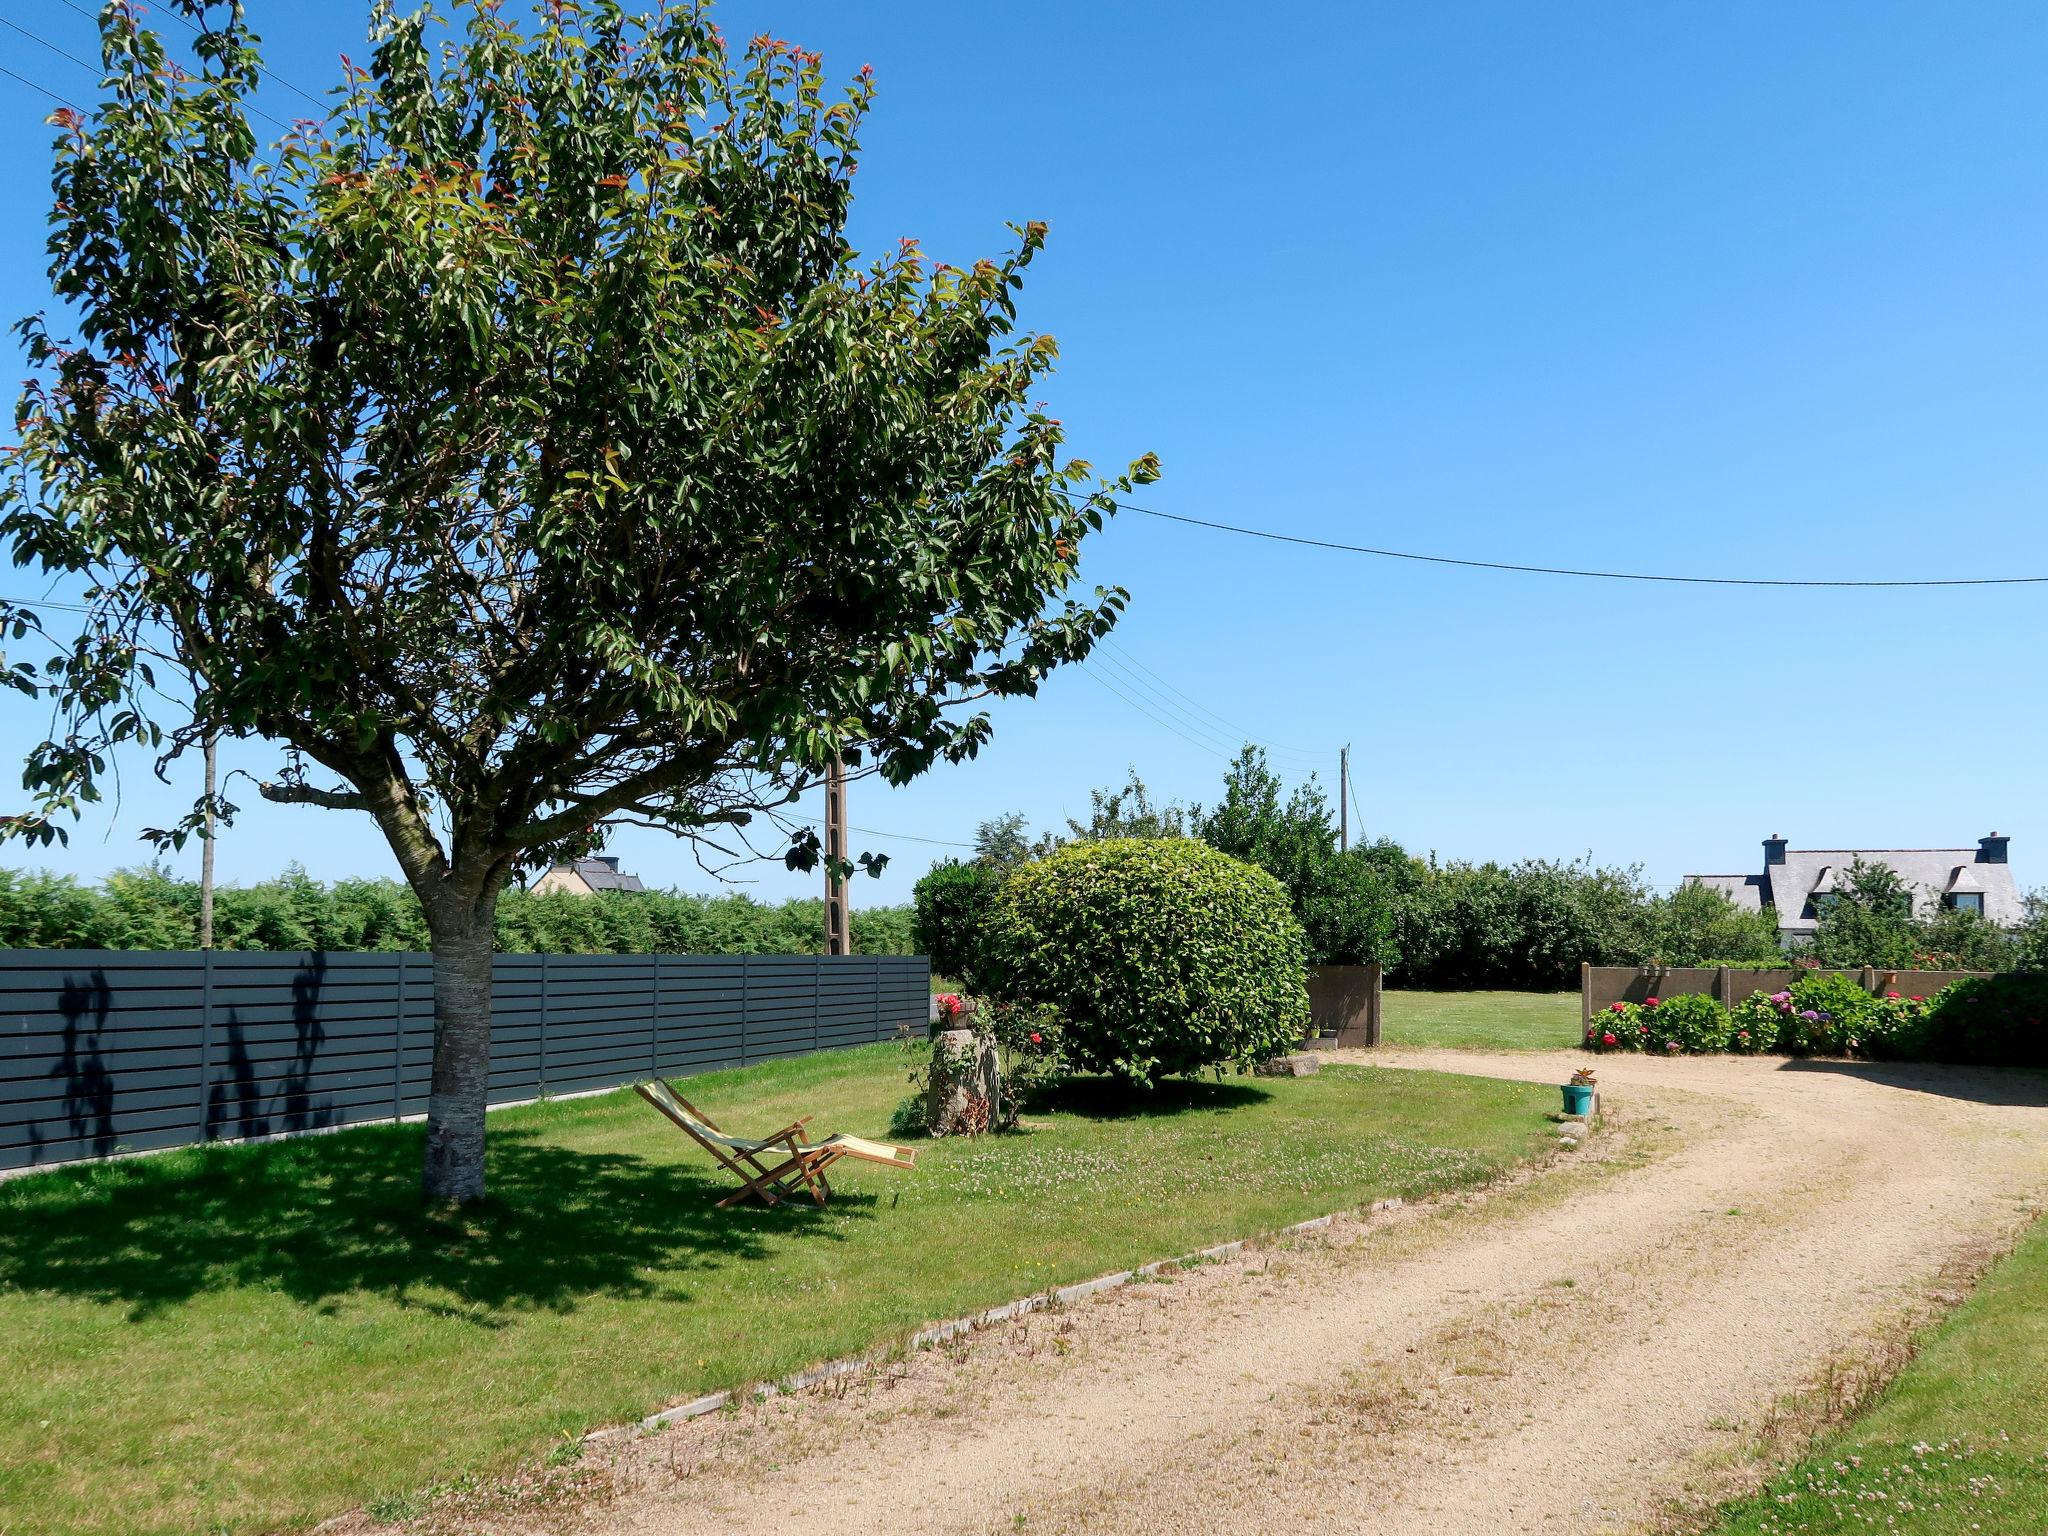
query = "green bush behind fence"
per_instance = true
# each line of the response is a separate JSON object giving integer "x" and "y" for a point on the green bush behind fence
{"x": 152, "y": 909}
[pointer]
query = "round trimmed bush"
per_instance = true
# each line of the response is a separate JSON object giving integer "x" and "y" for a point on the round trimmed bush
{"x": 1162, "y": 954}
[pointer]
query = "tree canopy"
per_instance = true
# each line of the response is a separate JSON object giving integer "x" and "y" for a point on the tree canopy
{"x": 525, "y": 446}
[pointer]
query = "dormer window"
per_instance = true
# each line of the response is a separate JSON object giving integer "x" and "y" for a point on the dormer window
{"x": 1965, "y": 891}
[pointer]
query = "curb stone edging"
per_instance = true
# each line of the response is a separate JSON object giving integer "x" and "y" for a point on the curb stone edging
{"x": 940, "y": 1333}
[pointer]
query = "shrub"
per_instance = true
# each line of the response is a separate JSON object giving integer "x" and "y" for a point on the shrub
{"x": 151, "y": 908}
{"x": 1163, "y": 956}
{"x": 1755, "y": 1021}
{"x": 953, "y": 903}
{"x": 1990, "y": 1021}
{"x": 1826, "y": 1018}
{"x": 1032, "y": 1038}
{"x": 1896, "y": 1028}
{"x": 1623, "y": 1027}
{"x": 1696, "y": 1022}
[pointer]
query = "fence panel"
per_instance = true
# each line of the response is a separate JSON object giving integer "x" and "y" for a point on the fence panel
{"x": 105, "y": 1051}
{"x": 1601, "y": 986}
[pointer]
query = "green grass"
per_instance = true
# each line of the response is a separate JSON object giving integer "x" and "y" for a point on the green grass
{"x": 1957, "y": 1446}
{"x": 253, "y": 1338}
{"x": 1490, "y": 1021}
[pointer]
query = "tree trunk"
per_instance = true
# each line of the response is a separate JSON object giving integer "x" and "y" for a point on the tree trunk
{"x": 463, "y": 945}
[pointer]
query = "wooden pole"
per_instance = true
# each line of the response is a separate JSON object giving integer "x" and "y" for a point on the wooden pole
{"x": 1344, "y": 797}
{"x": 835, "y": 858}
{"x": 206, "y": 849}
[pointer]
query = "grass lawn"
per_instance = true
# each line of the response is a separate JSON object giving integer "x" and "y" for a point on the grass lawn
{"x": 1489, "y": 1021}
{"x": 1958, "y": 1445}
{"x": 249, "y": 1338}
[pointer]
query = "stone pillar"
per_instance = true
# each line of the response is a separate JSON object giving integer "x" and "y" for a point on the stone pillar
{"x": 965, "y": 1094}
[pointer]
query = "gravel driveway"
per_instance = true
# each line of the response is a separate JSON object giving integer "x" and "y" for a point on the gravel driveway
{"x": 1570, "y": 1355}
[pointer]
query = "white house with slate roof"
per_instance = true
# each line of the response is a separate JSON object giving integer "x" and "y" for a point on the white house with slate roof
{"x": 1797, "y": 882}
{"x": 586, "y": 877}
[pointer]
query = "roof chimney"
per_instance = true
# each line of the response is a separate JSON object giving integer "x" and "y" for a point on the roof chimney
{"x": 1774, "y": 850}
{"x": 610, "y": 861}
{"x": 1991, "y": 850}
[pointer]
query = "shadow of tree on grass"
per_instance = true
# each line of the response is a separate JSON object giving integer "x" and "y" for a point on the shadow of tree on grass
{"x": 320, "y": 1218}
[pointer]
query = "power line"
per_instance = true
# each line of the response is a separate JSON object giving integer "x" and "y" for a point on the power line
{"x": 1561, "y": 570}
{"x": 1130, "y": 661}
{"x": 1162, "y": 710}
{"x": 900, "y": 837}
{"x": 1102, "y": 681}
{"x": 63, "y": 53}
{"x": 198, "y": 31}
{"x": 36, "y": 85}
{"x": 190, "y": 26}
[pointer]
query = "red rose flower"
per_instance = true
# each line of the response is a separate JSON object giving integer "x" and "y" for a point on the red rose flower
{"x": 1037, "y": 1038}
{"x": 1608, "y": 1039}
{"x": 1649, "y": 1002}
{"x": 1617, "y": 1007}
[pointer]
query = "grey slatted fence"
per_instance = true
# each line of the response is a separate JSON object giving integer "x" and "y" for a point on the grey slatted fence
{"x": 105, "y": 1051}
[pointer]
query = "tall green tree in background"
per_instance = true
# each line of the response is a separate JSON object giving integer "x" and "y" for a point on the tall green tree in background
{"x": 527, "y": 450}
{"x": 1342, "y": 898}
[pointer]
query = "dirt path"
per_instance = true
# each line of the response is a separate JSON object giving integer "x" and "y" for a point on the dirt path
{"x": 1565, "y": 1357}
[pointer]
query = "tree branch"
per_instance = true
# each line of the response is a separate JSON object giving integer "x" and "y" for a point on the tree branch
{"x": 305, "y": 794}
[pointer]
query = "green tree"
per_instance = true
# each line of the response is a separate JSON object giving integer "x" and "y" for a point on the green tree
{"x": 1002, "y": 843}
{"x": 527, "y": 450}
{"x": 1700, "y": 925}
{"x": 1868, "y": 919}
{"x": 1125, "y": 812}
{"x": 1341, "y": 898}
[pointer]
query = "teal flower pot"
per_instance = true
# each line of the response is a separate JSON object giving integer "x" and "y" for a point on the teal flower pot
{"x": 1578, "y": 1098}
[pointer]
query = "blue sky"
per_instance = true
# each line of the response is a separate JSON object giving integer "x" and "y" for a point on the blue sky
{"x": 1736, "y": 290}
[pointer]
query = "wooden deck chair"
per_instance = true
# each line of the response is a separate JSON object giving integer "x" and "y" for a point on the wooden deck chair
{"x": 770, "y": 1168}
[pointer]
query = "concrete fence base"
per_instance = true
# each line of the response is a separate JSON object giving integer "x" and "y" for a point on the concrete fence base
{"x": 1601, "y": 986}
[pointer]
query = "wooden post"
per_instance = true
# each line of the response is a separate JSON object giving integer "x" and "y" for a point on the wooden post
{"x": 1585, "y": 993}
{"x": 206, "y": 847}
{"x": 1344, "y": 797}
{"x": 835, "y": 858}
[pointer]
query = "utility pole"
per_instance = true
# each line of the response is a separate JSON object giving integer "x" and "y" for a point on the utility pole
{"x": 206, "y": 850}
{"x": 1344, "y": 797}
{"x": 835, "y": 860}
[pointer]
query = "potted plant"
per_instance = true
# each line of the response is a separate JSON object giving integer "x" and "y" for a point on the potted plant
{"x": 1578, "y": 1093}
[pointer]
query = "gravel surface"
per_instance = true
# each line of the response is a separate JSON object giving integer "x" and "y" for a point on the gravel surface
{"x": 1583, "y": 1352}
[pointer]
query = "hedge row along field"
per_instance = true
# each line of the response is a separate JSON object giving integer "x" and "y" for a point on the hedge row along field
{"x": 1994, "y": 1021}
{"x": 152, "y": 909}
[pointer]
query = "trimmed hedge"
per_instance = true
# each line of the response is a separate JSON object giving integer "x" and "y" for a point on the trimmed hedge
{"x": 150, "y": 908}
{"x": 1992, "y": 1021}
{"x": 1163, "y": 955}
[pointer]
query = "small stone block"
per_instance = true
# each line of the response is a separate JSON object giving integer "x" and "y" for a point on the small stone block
{"x": 1289, "y": 1066}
